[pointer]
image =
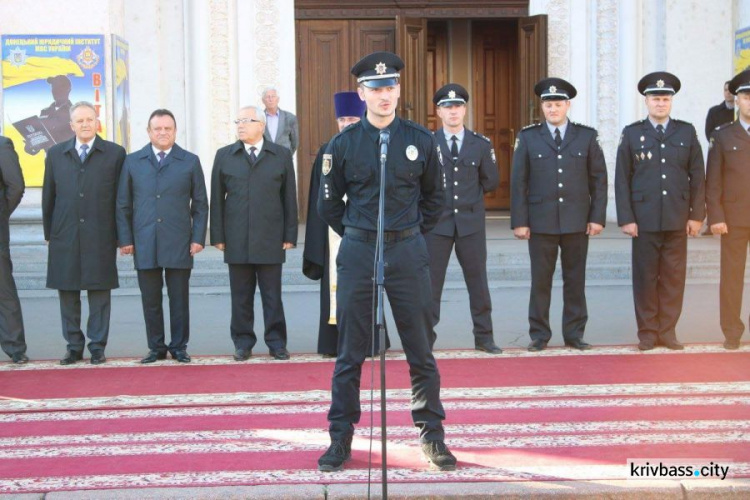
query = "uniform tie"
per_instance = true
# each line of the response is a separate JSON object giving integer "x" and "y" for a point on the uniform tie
{"x": 558, "y": 139}
{"x": 660, "y": 131}
{"x": 84, "y": 154}
{"x": 161, "y": 155}
{"x": 253, "y": 149}
{"x": 454, "y": 147}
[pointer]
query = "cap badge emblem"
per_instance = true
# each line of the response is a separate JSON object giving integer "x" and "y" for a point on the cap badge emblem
{"x": 452, "y": 94}
{"x": 553, "y": 90}
{"x": 660, "y": 83}
{"x": 380, "y": 68}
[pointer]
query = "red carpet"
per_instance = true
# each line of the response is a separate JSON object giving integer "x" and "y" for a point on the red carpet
{"x": 556, "y": 415}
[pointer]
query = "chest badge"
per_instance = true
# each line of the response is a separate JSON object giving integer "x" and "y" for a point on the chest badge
{"x": 411, "y": 152}
{"x": 327, "y": 163}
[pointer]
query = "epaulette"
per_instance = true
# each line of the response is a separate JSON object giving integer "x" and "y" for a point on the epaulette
{"x": 531, "y": 126}
{"x": 724, "y": 125}
{"x": 416, "y": 126}
{"x": 477, "y": 134}
{"x": 680, "y": 121}
{"x": 639, "y": 122}
{"x": 582, "y": 125}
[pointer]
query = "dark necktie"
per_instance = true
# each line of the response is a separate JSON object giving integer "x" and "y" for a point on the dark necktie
{"x": 83, "y": 154}
{"x": 454, "y": 147}
{"x": 660, "y": 131}
{"x": 748, "y": 130}
{"x": 558, "y": 139}
{"x": 161, "y": 156}
{"x": 252, "y": 154}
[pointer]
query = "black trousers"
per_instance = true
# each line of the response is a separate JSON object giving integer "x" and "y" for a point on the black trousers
{"x": 659, "y": 269}
{"x": 97, "y": 328}
{"x": 407, "y": 284}
{"x": 242, "y": 281}
{"x": 150, "y": 281}
{"x": 543, "y": 252}
{"x": 12, "y": 338}
{"x": 734, "y": 247}
{"x": 471, "y": 251}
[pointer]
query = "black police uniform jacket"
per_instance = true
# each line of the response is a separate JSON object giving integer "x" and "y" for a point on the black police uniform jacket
{"x": 253, "y": 207}
{"x": 78, "y": 212}
{"x": 728, "y": 176}
{"x": 467, "y": 179}
{"x": 414, "y": 178}
{"x": 659, "y": 184}
{"x": 558, "y": 192}
{"x": 718, "y": 115}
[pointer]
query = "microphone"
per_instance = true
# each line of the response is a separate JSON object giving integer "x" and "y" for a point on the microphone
{"x": 385, "y": 136}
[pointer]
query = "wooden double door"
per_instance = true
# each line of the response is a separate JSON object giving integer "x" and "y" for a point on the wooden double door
{"x": 507, "y": 56}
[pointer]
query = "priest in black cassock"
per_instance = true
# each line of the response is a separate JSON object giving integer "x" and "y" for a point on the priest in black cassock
{"x": 319, "y": 238}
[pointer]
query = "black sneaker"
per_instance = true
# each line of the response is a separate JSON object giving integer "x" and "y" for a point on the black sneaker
{"x": 438, "y": 455}
{"x": 336, "y": 456}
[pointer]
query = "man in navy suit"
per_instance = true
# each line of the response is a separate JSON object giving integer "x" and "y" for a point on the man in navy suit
{"x": 470, "y": 171}
{"x": 162, "y": 215}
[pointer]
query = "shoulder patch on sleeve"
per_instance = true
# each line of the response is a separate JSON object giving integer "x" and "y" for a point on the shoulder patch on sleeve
{"x": 327, "y": 163}
{"x": 518, "y": 141}
{"x": 440, "y": 156}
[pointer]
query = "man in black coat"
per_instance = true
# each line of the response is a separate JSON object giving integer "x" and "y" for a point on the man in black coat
{"x": 12, "y": 338}
{"x": 348, "y": 201}
{"x": 721, "y": 113}
{"x": 470, "y": 171}
{"x": 320, "y": 239}
{"x": 78, "y": 211}
{"x": 558, "y": 200}
{"x": 254, "y": 222}
{"x": 660, "y": 193}
{"x": 162, "y": 214}
{"x": 728, "y": 204}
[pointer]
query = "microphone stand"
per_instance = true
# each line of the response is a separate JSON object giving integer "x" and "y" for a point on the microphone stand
{"x": 380, "y": 312}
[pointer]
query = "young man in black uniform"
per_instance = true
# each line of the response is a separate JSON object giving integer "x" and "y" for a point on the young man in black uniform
{"x": 558, "y": 200}
{"x": 728, "y": 204}
{"x": 659, "y": 188}
{"x": 414, "y": 201}
{"x": 470, "y": 171}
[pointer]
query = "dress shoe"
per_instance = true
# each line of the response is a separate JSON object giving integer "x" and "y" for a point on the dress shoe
{"x": 489, "y": 347}
{"x": 731, "y": 345}
{"x": 438, "y": 455}
{"x": 181, "y": 356}
{"x": 97, "y": 358}
{"x": 19, "y": 358}
{"x": 537, "y": 345}
{"x": 645, "y": 346}
{"x": 242, "y": 354}
{"x": 336, "y": 456}
{"x": 153, "y": 357}
{"x": 578, "y": 344}
{"x": 672, "y": 344}
{"x": 71, "y": 357}
{"x": 280, "y": 354}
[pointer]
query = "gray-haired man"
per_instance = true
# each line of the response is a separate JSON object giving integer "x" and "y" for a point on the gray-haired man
{"x": 281, "y": 126}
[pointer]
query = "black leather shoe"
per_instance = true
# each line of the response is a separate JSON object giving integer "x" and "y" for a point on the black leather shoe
{"x": 153, "y": 357}
{"x": 645, "y": 346}
{"x": 181, "y": 356}
{"x": 242, "y": 354}
{"x": 336, "y": 456}
{"x": 489, "y": 347}
{"x": 578, "y": 344}
{"x": 280, "y": 354}
{"x": 438, "y": 455}
{"x": 731, "y": 345}
{"x": 71, "y": 357}
{"x": 672, "y": 344}
{"x": 97, "y": 358}
{"x": 19, "y": 358}
{"x": 537, "y": 345}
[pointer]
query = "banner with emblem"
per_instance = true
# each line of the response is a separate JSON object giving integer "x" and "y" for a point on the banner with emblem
{"x": 741, "y": 50}
{"x": 121, "y": 95}
{"x": 43, "y": 75}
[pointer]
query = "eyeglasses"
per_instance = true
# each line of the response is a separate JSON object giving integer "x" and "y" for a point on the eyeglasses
{"x": 246, "y": 120}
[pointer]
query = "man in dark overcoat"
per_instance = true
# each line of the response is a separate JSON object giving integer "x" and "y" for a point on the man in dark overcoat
{"x": 254, "y": 221}
{"x": 12, "y": 338}
{"x": 78, "y": 211}
{"x": 162, "y": 214}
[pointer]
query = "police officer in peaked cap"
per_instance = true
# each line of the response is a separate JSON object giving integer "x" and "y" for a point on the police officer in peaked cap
{"x": 470, "y": 171}
{"x": 659, "y": 190}
{"x": 413, "y": 204}
{"x": 558, "y": 200}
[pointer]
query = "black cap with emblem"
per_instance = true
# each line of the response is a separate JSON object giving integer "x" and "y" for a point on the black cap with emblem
{"x": 450, "y": 94}
{"x": 659, "y": 83}
{"x": 555, "y": 89}
{"x": 379, "y": 69}
{"x": 740, "y": 82}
